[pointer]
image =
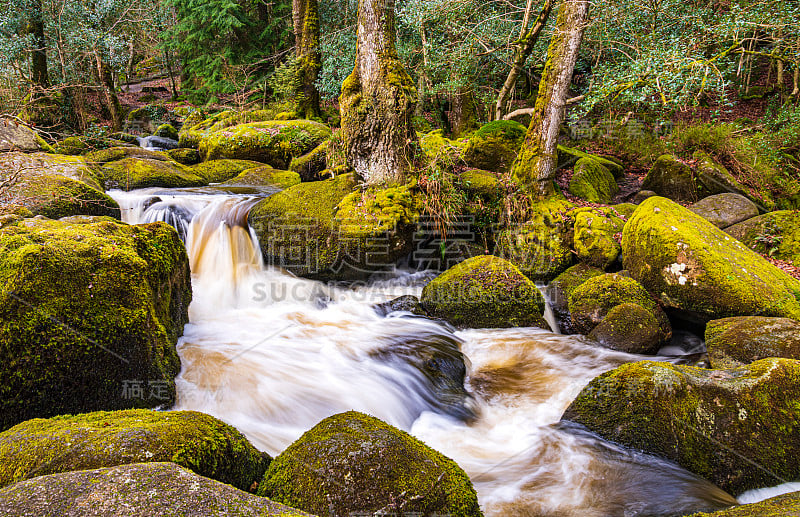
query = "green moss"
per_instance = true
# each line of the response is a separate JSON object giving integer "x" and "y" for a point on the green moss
{"x": 44, "y": 145}
{"x": 166, "y": 131}
{"x": 71, "y": 146}
{"x": 568, "y": 156}
{"x": 671, "y": 178}
{"x": 691, "y": 265}
{"x": 494, "y": 146}
{"x": 593, "y": 182}
{"x": 480, "y": 183}
{"x": 353, "y": 462}
{"x": 218, "y": 171}
{"x": 713, "y": 178}
{"x": 377, "y": 210}
{"x": 114, "y": 154}
{"x": 193, "y": 440}
{"x": 630, "y": 328}
{"x": 136, "y": 173}
{"x": 436, "y": 146}
{"x": 484, "y": 292}
{"x": 590, "y": 302}
{"x": 781, "y": 506}
{"x": 596, "y": 235}
{"x": 560, "y": 289}
{"x": 310, "y": 165}
{"x": 274, "y": 142}
{"x": 84, "y": 307}
{"x": 184, "y": 156}
{"x": 737, "y": 428}
{"x": 266, "y": 176}
{"x": 736, "y": 341}
{"x": 776, "y": 234}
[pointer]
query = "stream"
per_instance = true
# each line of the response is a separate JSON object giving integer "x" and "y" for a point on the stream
{"x": 272, "y": 355}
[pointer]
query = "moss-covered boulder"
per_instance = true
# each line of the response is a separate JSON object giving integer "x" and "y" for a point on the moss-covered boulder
{"x": 17, "y": 137}
{"x": 54, "y": 186}
{"x": 218, "y": 171}
{"x": 713, "y": 178}
{"x": 440, "y": 149}
{"x": 591, "y": 302}
{"x": 596, "y": 235}
{"x": 197, "y": 441}
{"x": 84, "y": 309}
{"x": 671, "y": 178}
{"x": 135, "y": 490}
{"x": 593, "y": 182}
{"x": 484, "y": 292}
{"x": 738, "y": 428}
{"x": 642, "y": 195}
{"x": 724, "y": 210}
{"x": 736, "y": 341}
{"x": 776, "y": 234}
{"x": 539, "y": 247}
{"x": 274, "y": 142}
{"x": 479, "y": 183}
{"x": 568, "y": 156}
{"x": 166, "y": 131}
{"x": 787, "y": 505}
{"x": 184, "y": 156}
{"x": 693, "y": 266}
{"x": 266, "y": 176}
{"x": 198, "y": 125}
{"x": 325, "y": 230}
{"x": 72, "y": 146}
{"x": 494, "y": 146}
{"x": 114, "y": 154}
{"x": 310, "y": 165}
{"x": 630, "y": 328}
{"x": 136, "y": 173}
{"x": 560, "y": 289}
{"x": 352, "y": 462}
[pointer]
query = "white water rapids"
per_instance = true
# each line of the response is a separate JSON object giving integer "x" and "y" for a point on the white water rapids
{"x": 273, "y": 355}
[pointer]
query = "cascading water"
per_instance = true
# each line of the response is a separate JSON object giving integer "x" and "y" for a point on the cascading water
{"x": 273, "y": 355}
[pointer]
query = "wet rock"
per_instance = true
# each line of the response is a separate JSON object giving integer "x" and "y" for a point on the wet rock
{"x": 699, "y": 270}
{"x": 484, "y": 292}
{"x": 724, "y": 210}
{"x": 406, "y": 303}
{"x": 781, "y": 506}
{"x": 736, "y": 428}
{"x": 136, "y": 490}
{"x": 352, "y": 462}
{"x": 733, "y": 342}
{"x": 196, "y": 441}
{"x": 560, "y": 289}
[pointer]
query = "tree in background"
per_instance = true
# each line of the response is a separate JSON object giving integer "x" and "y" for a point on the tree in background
{"x": 535, "y": 166}
{"x": 377, "y": 100}
{"x": 305, "y": 14}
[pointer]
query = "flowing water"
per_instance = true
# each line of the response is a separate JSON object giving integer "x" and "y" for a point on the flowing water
{"x": 273, "y": 355}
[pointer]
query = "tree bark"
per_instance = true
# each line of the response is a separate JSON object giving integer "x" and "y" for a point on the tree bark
{"x": 464, "y": 113}
{"x": 112, "y": 101}
{"x": 377, "y": 101}
{"x": 305, "y": 15}
{"x": 535, "y": 166}
{"x": 39, "y": 72}
{"x": 527, "y": 40}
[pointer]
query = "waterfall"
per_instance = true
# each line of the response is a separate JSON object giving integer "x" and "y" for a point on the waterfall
{"x": 273, "y": 354}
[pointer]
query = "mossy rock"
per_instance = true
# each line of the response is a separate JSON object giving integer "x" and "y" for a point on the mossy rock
{"x": 71, "y": 146}
{"x": 593, "y": 182}
{"x": 642, "y": 195}
{"x": 787, "y": 505}
{"x": 310, "y": 165}
{"x": 406, "y": 303}
{"x": 738, "y": 428}
{"x": 568, "y": 156}
{"x": 630, "y": 328}
{"x": 218, "y": 171}
{"x": 696, "y": 268}
{"x": 184, "y": 156}
{"x": 17, "y": 137}
{"x": 560, "y": 289}
{"x": 438, "y": 147}
{"x": 197, "y": 441}
{"x": 483, "y": 184}
{"x": 135, "y": 490}
{"x": 136, "y": 173}
{"x": 484, "y": 292}
{"x": 736, "y": 341}
{"x": 55, "y": 186}
{"x": 126, "y": 138}
{"x": 596, "y": 234}
{"x": 590, "y": 302}
{"x": 86, "y": 307}
{"x": 713, "y": 178}
{"x": 776, "y": 234}
{"x": 352, "y": 462}
{"x": 724, "y": 210}
{"x": 326, "y": 231}
{"x": 494, "y": 146}
{"x": 539, "y": 247}
{"x": 274, "y": 142}
{"x": 166, "y": 131}
{"x": 266, "y": 176}
{"x": 115, "y": 154}
{"x": 673, "y": 179}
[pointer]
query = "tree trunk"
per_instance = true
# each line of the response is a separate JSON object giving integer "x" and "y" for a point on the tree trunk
{"x": 377, "y": 101}
{"x": 39, "y": 72}
{"x": 523, "y": 51}
{"x": 535, "y": 166}
{"x": 305, "y": 15}
{"x": 464, "y": 113}
{"x": 112, "y": 101}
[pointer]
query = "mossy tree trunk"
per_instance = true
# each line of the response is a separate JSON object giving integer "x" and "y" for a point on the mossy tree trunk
{"x": 377, "y": 101}
{"x": 109, "y": 89}
{"x": 305, "y": 15}
{"x": 524, "y": 47}
{"x": 464, "y": 113}
{"x": 535, "y": 166}
{"x": 39, "y": 73}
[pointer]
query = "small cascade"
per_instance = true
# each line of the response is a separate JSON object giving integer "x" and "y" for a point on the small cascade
{"x": 157, "y": 143}
{"x": 273, "y": 354}
{"x": 549, "y": 316}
